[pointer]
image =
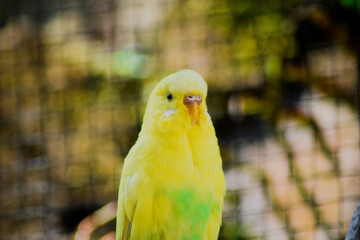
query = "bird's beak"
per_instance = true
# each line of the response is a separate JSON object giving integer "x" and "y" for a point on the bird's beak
{"x": 194, "y": 112}
{"x": 192, "y": 103}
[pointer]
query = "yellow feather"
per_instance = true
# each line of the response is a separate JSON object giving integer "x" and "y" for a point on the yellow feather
{"x": 172, "y": 184}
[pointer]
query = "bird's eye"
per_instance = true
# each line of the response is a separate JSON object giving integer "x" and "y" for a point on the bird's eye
{"x": 169, "y": 96}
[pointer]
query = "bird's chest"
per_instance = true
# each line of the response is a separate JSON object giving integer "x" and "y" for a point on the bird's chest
{"x": 179, "y": 167}
{"x": 172, "y": 162}
{"x": 190, "y": 203}
{"x": 188, "y": 211}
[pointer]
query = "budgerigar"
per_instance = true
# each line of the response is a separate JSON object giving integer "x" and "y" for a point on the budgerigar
{"x": 172, "y": 184}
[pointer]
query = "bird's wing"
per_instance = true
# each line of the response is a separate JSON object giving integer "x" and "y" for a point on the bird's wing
{"x": 354, "y": 228}
{"x": 126, "y": 204}
{"x": 213, "y": 226}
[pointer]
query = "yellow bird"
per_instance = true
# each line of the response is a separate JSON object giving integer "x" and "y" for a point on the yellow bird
{"x": 172, "y": 184}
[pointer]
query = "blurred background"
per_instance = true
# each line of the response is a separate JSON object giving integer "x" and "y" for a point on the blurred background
{"x": 283, "y": 81}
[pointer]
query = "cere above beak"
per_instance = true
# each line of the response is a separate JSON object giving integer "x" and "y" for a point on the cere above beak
{"x": 192, "y": 102}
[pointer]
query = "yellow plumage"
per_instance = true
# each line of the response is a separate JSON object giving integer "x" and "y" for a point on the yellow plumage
{"x": 172, "y": 184}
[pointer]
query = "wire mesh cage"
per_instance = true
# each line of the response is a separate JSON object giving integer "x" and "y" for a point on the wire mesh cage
{"x": 283, "y": 82}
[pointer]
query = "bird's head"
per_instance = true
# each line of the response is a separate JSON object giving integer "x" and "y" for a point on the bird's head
{"x": 177, "y": 103}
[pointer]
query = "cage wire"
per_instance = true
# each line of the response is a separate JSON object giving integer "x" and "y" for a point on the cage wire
{"x": 283, "y": 82}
